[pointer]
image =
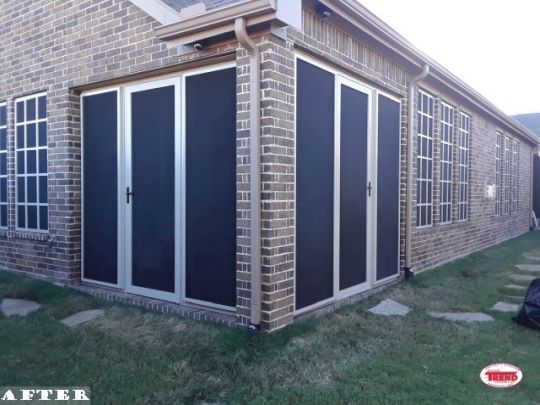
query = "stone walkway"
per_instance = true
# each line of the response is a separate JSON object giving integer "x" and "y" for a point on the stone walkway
{"x": 390, "y": 308}
{"x": 17, "y": 307}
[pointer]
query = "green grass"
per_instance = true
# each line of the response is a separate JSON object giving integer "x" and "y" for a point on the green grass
{"x": 134, "y": 356}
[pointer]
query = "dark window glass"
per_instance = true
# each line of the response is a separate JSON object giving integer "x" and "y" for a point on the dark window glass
{"x": 3, "y": 139}
{"x": 20, "y": 137}
{"x": 3, "y": 164}
{"x": 43, "y": 160}
{"x": 3, "y": 216}
{"x": 30, "y": 109}
{"x": 3, "y": 115}
{"x": 42, "y": 107}
{"x": 31, "y": 135}
{"x": 20, "y": 189}
{"x": 3, "y": 190}
{"x": 21, "y": 217}
{"x": 20, "y": 162}
{"x": 31, "y": 165}
{"x": 32, "y": 217}
{"x": 31, "y": 188}
{"x": 20, "y": 111}
{"x": 43, "y": 189}
{"x": 43, "y": 218}
{"x": 42, "y": 134}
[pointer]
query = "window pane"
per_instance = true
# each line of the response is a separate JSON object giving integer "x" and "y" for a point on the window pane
{"x": 20, "y": 111}
{"x": 32, "y": 217}
{"x": 31, "y": 136}
{"x": 21, "y": 186}
{"x": 43, "y": 160}
{"x": 20, "y": 163}
{"x": 21, "y": 216}
{"x": 30, "y": 109}
{"x": 43, "y": 218}
{"x": 3, "y": 190}
{"x": 20, "y": 137}
{"x": 31, "y": 165}
{"x": 3, "y": 164}
{"x": 42, "y": 107}
{"x": 3, "y": 139}
{"x": 3, "y": 115}
{"x": 31, "y": 188}
{"x": 42, "y": 134}
{"x": 3, "y": 216}
{"x": 43, "y": 189}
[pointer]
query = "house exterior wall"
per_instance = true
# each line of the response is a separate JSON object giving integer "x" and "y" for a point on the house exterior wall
{"x": 55, "y": 46}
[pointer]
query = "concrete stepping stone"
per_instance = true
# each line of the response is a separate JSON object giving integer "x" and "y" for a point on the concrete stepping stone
{"x": 533, "y": 258}
{"x": 505, "y": 307}
{"x": 82, "y": 317}
{"x": 16, "y": 307}
{"x": 522, "y": 277}
{"x": 528, "y": 267}
{"x": 515, "y": 287}
{"x": 462, "y": 316}
{"x": 390, "y": 308}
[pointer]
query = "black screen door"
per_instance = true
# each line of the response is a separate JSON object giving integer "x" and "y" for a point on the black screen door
{"x": 353, "y": 187}
{"x": 150, "y": 195}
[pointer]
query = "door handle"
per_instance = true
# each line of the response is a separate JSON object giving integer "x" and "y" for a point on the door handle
{"x": 369, "y": 188}
{"x": 128, "y": 195}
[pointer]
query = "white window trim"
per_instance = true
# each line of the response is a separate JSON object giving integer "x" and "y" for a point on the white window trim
{"x": 6, "y": 204}
{"x": 498, "y": 172}
{"x": 37, "y": 174}
{"x": 450, "y": 142}
{"x": 421, "y": 156}
{"x": 466, "y": 165}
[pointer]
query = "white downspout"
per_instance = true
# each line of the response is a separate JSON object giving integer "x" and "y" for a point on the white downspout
{"x": 410, "y": 180}
{"x": 255, "y": 166}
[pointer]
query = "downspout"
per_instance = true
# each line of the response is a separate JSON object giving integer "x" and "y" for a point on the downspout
{"x": 255, "y": 167}
{"x": 410, "y": 180}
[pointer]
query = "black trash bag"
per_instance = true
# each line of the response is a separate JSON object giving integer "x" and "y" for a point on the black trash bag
{"x": 529, "y": 315}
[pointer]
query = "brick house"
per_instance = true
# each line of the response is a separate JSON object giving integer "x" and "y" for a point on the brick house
{"x": 133, "y": 163}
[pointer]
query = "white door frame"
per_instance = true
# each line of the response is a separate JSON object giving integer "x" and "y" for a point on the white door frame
{"x": 127, "y": 181}
{"x": 339, "y": 294}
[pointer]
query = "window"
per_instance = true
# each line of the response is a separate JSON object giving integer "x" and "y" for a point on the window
{"x": 463, "y": 185}
{"x": 515, "y": 177}
{"x": 31, "y": 162}
{"x": 447, "y": 138}
{"x": 506, "y": 176}
{"x": 499, "y": 175}
{"x": 3, "y": 166}
{"x": 424, "y": 207}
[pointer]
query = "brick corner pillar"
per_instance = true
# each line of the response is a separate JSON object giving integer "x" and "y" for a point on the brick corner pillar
{"x": 277, "y": 182}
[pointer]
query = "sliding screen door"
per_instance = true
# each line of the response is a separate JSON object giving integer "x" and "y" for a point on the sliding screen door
{"x": 353, "y": 137}
{"x": 388, "y": 188}
{"x": 100, "y": 187}
{"x": 314, "y": 184}
{"x": 152, "y": 112}
{"x": 211, "y": 187}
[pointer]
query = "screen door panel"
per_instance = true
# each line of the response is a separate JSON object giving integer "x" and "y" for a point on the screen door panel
{"x": 211, "y": 187}
{"x": 153, "y": 203}
{"x": 388, "y": 188}
{"x": 100, "y": 187}
{"x": 353, "y": 185}
{"x": 315, "y": 185}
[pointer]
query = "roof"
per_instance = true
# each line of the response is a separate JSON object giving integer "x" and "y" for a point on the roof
{"x": 210, "y": 4}
{"x": 531, "y": 121}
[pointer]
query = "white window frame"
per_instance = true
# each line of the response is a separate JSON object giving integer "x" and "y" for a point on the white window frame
{"x": 37, "y": 175}
{"x": 515, "y": 174}
{"x": 498, "y": 173}
{"x": 464, "y": 147}
{"x": 423, "y": 156}
{"x": 506, "y": 175}
{"x": 5, "y": 176}
{"x": 447, "y": 141}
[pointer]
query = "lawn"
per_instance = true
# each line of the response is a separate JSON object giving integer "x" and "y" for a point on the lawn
{"x": 135, "y": 356}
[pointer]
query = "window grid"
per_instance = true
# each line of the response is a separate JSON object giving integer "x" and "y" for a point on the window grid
{"x": 447, "y": 137}
{"x": 464, "y": 148}
{"x": 31, "y": 163}
{"x": 498, "y": 175}
{"x": 424, "y": 206}
{"x": 3, "y": 167}
{"x": 515, "y": 177}
{"x": 506, "y": 176}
